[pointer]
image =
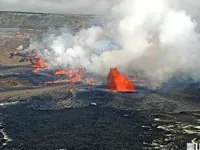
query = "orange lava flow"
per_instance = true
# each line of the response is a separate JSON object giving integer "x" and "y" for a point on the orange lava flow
{"x": 74, "y": 75}
{"x": 119, "y": 83}
{"x": 69, "y": 73}
{"x": 37, "y": 57}
{"x": 72, "y": 90}
{"x": 90, "y": 82}
{"x": 38, "y": 65}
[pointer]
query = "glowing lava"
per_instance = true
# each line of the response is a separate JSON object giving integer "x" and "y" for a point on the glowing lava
{"x": 60, "y": 72}
{"x": 119, "y": 83}
{"x": 38, "y": 65}
{"x": 69, "y": 73}
{"x": 90, "y": 82}
{"x": 74, "y": 75}
{"x": 72, "y": 90}
{"x": 37, "y": 57}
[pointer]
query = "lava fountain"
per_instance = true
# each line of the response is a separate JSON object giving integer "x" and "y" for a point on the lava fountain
{"x": 119, "y": 83}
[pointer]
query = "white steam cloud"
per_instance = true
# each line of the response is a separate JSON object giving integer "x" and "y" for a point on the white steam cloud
{"x": 158, "y": 37}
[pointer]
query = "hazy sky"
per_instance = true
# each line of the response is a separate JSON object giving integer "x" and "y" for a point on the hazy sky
{"x": 85, "y": 6}
{"x": 58, "y": 6}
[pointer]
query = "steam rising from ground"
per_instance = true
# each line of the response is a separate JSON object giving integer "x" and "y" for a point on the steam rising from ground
{"x": 151, "y": 36}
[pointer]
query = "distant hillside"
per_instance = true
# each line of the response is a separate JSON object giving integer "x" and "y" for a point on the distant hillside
{"x": 42, "y": 20}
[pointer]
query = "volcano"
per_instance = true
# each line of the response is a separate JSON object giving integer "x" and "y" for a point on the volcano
{"x": 119, "y": 83}
{"x": 90, "y": 116}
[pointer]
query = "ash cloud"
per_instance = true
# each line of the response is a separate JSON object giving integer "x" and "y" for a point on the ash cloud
{"x": 159, "y": 37}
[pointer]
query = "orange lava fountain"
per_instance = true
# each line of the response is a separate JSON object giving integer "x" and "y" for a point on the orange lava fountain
{"x": 119, "y": 83}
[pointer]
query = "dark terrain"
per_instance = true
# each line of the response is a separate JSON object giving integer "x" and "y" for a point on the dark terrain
{"x": 38, "y": 116}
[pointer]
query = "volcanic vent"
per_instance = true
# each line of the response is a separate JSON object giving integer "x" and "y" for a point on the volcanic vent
{"x": 119, "y": 83}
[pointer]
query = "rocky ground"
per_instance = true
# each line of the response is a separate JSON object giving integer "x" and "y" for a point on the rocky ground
{"x": 42, "y": 20}
{"x": 34, "y": 115}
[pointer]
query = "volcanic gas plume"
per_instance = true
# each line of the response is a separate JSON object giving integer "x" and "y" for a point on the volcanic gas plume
{"x": 154, "y": 36}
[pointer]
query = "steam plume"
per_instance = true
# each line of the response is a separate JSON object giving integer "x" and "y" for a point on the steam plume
{"x": 154, "y": 36}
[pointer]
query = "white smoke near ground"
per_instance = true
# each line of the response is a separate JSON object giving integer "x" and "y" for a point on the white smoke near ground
{"x": 154, "y": 36}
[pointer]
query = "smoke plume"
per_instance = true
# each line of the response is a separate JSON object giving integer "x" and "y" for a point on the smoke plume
{"x": 159, "y": 37}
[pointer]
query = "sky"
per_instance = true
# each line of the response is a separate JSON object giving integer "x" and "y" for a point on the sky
{"x": 59, "y": 6}
{"x": 82, "y": 6}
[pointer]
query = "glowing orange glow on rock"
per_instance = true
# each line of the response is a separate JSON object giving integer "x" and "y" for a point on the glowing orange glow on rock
{"x": 90, "y": 82}
{"x": 77, "y": 77}
{"x": 60, "y": 72}
{"x": 74, "y": 75}
{"x": 37, "y": 57}
{"x": 69, "y": 73}
{"x": 36, "y": 69}
{"x": 38, "y": 65}
{"x": 72, "y": 90}
{"x": 119, "y": 83}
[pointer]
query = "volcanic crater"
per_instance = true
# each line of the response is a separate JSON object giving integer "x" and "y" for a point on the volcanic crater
{"x": 40, "y": 110}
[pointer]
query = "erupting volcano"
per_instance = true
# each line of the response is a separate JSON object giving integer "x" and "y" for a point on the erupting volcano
{"x": 119, "y": 83}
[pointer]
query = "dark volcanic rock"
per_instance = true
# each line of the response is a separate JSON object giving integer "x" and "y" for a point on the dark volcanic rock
{"x": 79, "y": 128}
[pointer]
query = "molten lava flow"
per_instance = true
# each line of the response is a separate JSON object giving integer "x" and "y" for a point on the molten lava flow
{"x": 37, "y": 57}
{"x": 90, "y": 82}
{"x": 60, "y": 72}
{"x": 77, "y": 77}
{"x": 72, "y": 72}
{"x": 69, "y": 73}
{"x": 74, "y": 76}
{"x": 72, "y": 90}
{"x": 119, "y": 83}
{"x": 38, "y": 65}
